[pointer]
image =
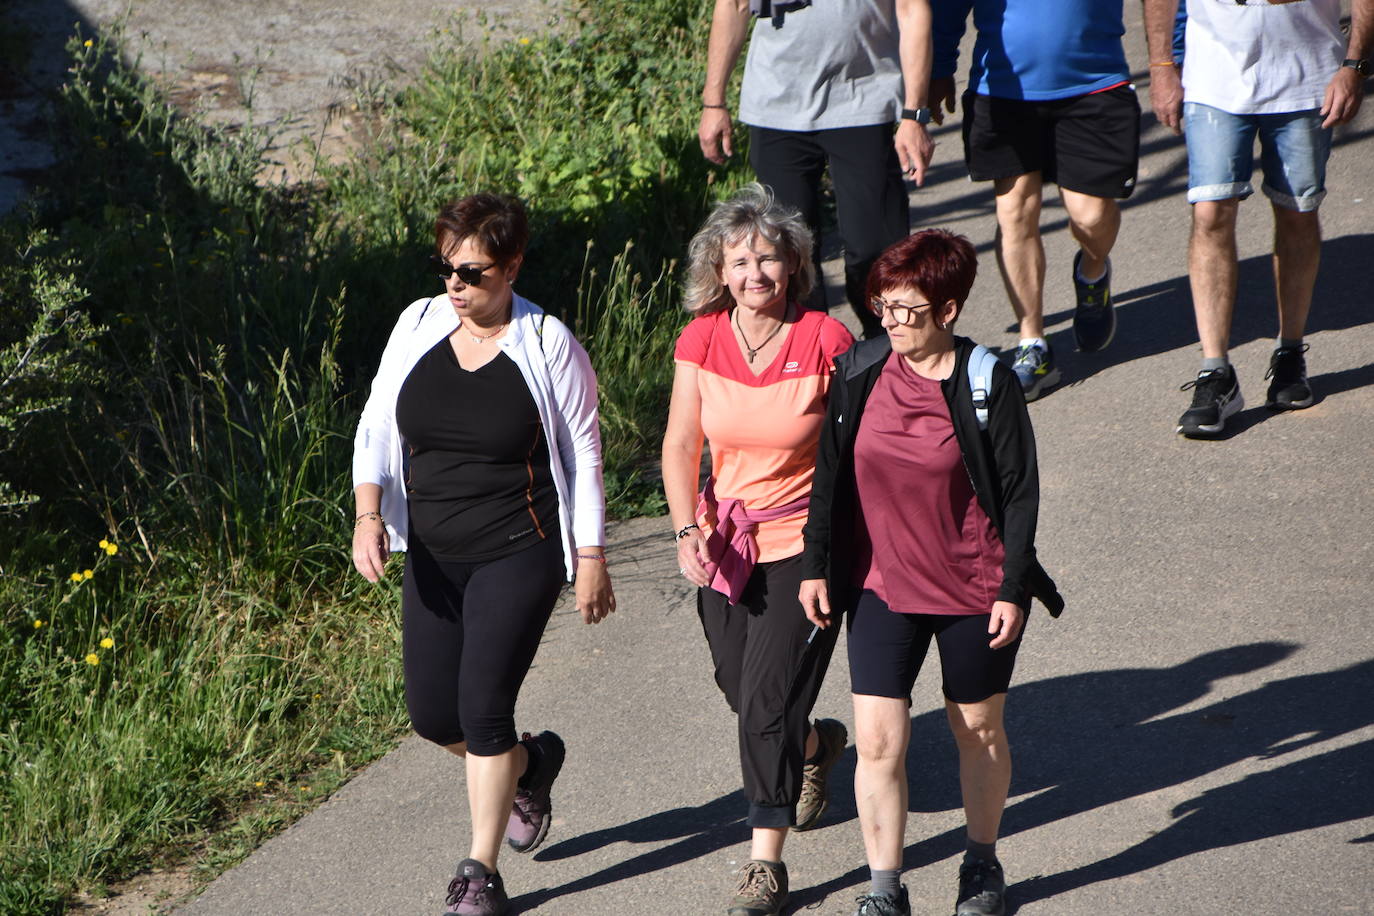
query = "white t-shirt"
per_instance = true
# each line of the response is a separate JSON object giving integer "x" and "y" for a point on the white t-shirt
{"x": 832, "y": 64}
{"x": 1261, "y": 57}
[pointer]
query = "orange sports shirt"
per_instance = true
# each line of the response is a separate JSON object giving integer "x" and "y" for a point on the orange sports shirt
{"x": 763, "y": 429}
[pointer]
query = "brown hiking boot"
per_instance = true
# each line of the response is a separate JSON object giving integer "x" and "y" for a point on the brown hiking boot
{"x": 831, "y": 737}
{"x": 762, "y": 889}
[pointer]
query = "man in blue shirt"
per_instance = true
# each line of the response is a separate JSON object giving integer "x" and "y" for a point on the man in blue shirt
{"x": 1049, "y": 98}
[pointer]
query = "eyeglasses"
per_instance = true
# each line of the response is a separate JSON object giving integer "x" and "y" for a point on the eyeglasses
{"x": 469, "y": 274}
{"x": 901, "y": 312}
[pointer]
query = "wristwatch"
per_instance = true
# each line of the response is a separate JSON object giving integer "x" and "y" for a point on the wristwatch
{"x": 919, "y": 115}
{"x": 1359, "y": 64}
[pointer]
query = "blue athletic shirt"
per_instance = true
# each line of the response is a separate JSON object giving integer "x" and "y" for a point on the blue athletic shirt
{"x": 1034, "y": 49}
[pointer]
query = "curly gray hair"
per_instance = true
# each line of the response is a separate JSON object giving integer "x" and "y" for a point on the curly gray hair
{"x": 751, "y": 213}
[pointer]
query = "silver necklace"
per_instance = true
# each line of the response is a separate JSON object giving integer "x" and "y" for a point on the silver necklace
{"x": 481, "y": 338}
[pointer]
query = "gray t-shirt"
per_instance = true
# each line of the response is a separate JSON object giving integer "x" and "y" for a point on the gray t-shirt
{"x": 832, "y": 64}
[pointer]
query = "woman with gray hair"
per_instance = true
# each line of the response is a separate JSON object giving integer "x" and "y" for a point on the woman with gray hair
{"x": 753, "y": 373}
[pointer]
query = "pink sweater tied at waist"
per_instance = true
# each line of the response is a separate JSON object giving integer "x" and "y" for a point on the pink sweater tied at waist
{"x": 731, "y": 547}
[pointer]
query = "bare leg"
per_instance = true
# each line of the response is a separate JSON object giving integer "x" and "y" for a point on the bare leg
{"x": 984, "y": 763}
{"x": 882, "y": 729}
{"x": 491, "y": 792}
{"x": 1094, "y": 222}
{"x": 1020, "y": 252}
{"x": 1297, "y": 254}
{"x": 1212, "y": 272}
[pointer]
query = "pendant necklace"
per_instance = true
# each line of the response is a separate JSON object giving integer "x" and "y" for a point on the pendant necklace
{"x": 482, "y": 338}
{"x": 753, "y": 351}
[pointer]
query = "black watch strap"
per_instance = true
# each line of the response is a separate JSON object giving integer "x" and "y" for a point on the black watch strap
{"x": 919, "y": 115}
{"x": 1359, "y": 64}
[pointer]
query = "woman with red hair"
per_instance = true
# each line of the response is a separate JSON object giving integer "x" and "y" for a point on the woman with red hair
{"x": 922, "y": 525}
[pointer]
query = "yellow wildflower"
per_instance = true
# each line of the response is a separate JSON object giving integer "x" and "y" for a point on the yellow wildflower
{"x": 107, "y": 643}
{"x": 104, "y": 543}
{"x": 87, "y": 43}
{"x": 77, "y": 577}
{"x": 305, "y": 788}
{"x": 111, "y": 548}
{"x": 524, "y": 41}
{"x": 88, "y": 574}
{"x": 92, "y": 659}
{"x": 259, "y": 783}
{"x": 38, "y": 624}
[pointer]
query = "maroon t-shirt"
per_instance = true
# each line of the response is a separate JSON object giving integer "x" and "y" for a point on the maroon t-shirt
{"x": 923, "y": 543}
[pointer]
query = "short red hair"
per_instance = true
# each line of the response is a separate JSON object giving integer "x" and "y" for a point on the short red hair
{"x": 939, "y": 263}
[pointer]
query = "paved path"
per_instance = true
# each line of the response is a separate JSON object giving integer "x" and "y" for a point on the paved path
{"x": 1195, "y": 735}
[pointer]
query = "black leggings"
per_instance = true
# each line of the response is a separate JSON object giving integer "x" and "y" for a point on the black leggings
{"x": 469, "y": 634}
{"x": 770, "y": 676}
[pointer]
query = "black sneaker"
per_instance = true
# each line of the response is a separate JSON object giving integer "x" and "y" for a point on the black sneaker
{"x": 1094, "y": 318}
{"x": 1216, "y": 397}
{"x": 1288, "y": 389}
{"x": 883, "y": 905}
{"x": 474, "y": 891}
{"x": 762, "y": 889}
{"x": 533, "y": 809}
{"x": 982, "y": 889}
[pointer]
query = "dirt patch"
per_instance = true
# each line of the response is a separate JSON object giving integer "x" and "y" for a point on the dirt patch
{"x": 152, "y": 892}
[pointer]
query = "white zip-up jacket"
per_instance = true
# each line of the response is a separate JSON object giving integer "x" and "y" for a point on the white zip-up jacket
{"x": 560, "y": 378}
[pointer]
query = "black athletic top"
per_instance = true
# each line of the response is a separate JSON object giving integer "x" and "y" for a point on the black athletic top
{"x": 477, "y": 460}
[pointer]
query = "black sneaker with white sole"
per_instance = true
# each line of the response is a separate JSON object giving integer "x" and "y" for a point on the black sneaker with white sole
{"x": 1216, "y": 398}
{"x": 1288, "y": 387}
{"x": 1094, "y": 318}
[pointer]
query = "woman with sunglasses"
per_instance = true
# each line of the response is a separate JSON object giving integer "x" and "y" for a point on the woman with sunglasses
{"x": 753, "y": 370}
{"x": 921, "y": 526}
{"x": 478, "y": 453}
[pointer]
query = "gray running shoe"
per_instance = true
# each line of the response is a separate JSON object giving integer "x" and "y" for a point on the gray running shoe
{"x": 1035, "y": 370}
{"x": 1094, "y": 318}
{"x": 762, "y": 889}
{"x": 474, "y": 891}
{"x": 533, "y": 809}
{"x": 832, "y": 737}
{"x": 1288, "y": 389}
{"x": 1216, "y": 398}
{"x": 982, "y": 889}
{"x": 883, "y": 905}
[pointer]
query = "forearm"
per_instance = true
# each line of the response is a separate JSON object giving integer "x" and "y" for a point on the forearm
{"x": 914, "y": 26}
{"x": 1361, "y": 43}
{"x": 681, "y": 472}
{"x": 367, "y": 497}
{"x": 729, "y": 26}
{"x": 1159, "y": 28}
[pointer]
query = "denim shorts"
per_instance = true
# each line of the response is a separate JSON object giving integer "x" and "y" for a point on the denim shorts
{"x": 1221, "y": 155}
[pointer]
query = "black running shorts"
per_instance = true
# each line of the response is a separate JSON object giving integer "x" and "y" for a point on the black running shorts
{"x": 1088, "y": 143}
{"x": 886, "y": 649}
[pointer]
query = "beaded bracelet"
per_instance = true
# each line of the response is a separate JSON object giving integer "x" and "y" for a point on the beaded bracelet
{"x": 367, "y": 515}
{"x": 682, "y": 532}
{"x": 592, "y": 556}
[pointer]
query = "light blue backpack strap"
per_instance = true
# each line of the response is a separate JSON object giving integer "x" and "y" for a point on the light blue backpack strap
{"x": 981, "y": 362}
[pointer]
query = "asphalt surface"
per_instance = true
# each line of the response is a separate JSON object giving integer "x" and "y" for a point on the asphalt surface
{"x": 1195, "y": 734}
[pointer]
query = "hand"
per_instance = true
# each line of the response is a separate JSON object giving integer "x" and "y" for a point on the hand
{"x": 1005, "y": 624}
{"x": 814, "y": 596}
{"x": 914, "y": 149}
{"x": 592, "y": 588}
{"x": 1343, "y": 96}
{"x": 714, "y": 134}
{"x": 371, "y": 547}
{"x": 692, "y": 559}
{"x": 1166, "y": 97}
{"x": 941, "y": 95}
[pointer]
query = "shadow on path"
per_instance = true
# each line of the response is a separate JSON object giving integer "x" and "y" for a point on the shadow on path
{"x": 1083, "y": 742}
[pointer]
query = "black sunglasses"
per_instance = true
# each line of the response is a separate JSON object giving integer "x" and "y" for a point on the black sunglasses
{"x": 467, "y": 273}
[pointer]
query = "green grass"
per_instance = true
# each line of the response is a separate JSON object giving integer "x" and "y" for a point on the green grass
{"x": 183, "y": 354}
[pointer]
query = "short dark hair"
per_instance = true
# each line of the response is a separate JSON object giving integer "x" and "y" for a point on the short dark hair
{"x": 497, "y": 222}
{"x": 939, "y": 263}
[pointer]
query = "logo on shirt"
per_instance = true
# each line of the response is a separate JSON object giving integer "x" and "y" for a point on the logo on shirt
{"x": 791, "y": 366}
